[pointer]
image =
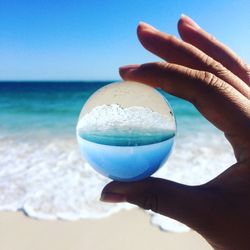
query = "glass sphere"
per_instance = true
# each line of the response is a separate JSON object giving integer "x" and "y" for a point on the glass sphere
{"x": 126, "y": 131}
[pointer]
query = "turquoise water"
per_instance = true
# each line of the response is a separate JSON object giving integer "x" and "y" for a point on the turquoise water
{"x": 28, "y": 107}
{"x": 128, "y": 138}
{"x": 126, "y": 162}
{"x": 37, "y": 106}
{"x": 41, "y": 169}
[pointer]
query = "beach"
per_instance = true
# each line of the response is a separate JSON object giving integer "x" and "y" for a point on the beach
{"x": 125, "y": 230}
{"x": 72, "y": 125}
{"x": 43, "y": 174}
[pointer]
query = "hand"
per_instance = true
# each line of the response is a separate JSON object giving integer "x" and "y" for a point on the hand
{"x": 205, "y": 72}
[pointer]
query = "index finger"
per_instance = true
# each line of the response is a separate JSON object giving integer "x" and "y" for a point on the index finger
{"x": 218, "y": 101}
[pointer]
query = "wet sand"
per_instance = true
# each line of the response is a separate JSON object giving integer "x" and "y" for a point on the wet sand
{"x": 124, "y": 230}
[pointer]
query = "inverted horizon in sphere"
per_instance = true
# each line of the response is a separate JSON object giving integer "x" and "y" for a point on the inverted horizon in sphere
{"x": 126, "y": 130}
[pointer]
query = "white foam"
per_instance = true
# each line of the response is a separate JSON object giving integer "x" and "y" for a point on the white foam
{"x": 47, "y": 178}
{"x": 116, "y": 118}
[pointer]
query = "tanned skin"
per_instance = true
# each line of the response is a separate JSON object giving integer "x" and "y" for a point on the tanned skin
{"x": 203, "y": 71}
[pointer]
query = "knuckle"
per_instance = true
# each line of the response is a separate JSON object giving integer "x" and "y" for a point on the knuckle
{"x": 214, "y": 83}
{"x": 244, "y": 70}
{"x": 207, "y": 60}
{"x": 155, "y": 67}
{"x": 151, "y": 201}
{"x": 213, "y": 65}
{"x": 209, "y": 78}
{"x": 167, "y": 67}
{"x": 163, "y": 65}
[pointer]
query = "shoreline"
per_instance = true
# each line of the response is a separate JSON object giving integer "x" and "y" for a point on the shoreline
{"x": 123, "y": 230}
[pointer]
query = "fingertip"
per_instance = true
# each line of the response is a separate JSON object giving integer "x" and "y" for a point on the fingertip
{"x": 118, "y": 187}
{"x": 148, "y": 73}
{"x": 114, "y": 187}
{"x": 124, "y": 71}
{"x": 114, "y": 192}
{"x": 186, "y": 26}
{"x": 129, "y": 67}
{"x": 107, "y": 187}
{"x": 180, "y": 22}
{"x": 144, "y": 29}
{"x": 186, "y": 20}
{"x": 112, "y": 197}
{"x": 145, "y": 26}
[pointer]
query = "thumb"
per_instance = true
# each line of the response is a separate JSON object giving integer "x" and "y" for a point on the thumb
{"x": 188, "y": 204}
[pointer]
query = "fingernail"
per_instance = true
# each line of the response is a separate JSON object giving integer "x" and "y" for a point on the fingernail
{"x": 112, "y": 197}
{"x": 146, "y": 25}
{"x": 129, "y": 67}
{"x": 187, "y": 20}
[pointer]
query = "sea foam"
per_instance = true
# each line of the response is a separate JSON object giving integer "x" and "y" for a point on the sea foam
{"x": 126, "y": 123}
{"x": 43, "y": 174}
{"x": 46, "y": 177}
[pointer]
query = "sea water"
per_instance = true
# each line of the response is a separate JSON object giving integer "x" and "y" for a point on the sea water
{"x": 125, "y": 143}
{"x": 43, "y": 174}
{"x": 126, "y": 158}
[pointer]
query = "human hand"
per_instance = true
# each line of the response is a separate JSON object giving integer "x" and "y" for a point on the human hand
{"x": 205, "y": 72}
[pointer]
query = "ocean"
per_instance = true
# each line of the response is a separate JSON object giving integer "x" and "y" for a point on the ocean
{"x": 43, "y": 174}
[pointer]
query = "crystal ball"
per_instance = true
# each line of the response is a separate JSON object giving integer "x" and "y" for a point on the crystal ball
{"x": 126, "y": 131}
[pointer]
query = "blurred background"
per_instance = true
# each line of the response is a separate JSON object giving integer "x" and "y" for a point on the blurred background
{"x": 53, "y": 56}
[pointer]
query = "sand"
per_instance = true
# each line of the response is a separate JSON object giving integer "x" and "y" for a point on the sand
{"x": 122, "y": 231}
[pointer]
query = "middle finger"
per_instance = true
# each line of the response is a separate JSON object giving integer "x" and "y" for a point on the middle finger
{"x": 176, "y": 51}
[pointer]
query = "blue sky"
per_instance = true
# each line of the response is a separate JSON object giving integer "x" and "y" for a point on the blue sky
{"x": 90, "y": 39}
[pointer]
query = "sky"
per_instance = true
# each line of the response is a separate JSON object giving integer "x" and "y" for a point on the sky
{"x": 90, "y": 39}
